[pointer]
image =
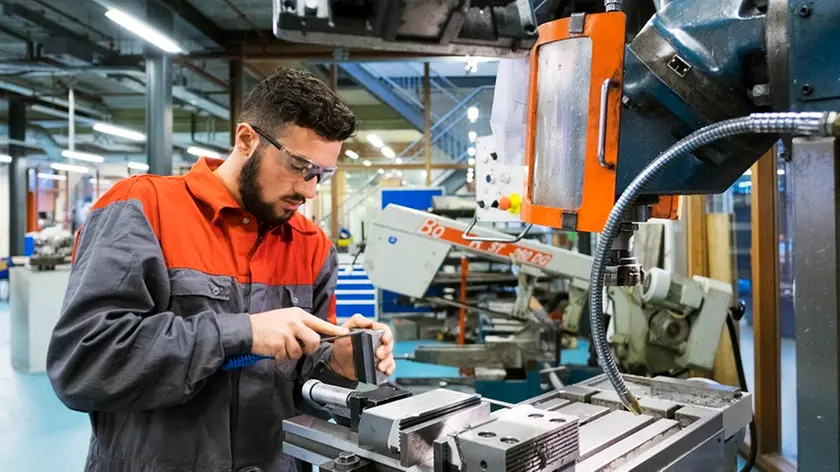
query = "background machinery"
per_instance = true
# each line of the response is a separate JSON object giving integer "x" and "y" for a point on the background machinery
{"x": 639, "y": 115}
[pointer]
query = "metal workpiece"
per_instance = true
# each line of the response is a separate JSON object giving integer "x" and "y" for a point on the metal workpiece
{"x": 684, "y": 425}
{"x": 365, "y": 362}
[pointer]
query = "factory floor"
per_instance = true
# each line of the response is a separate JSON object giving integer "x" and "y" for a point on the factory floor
{"x": 37, "y": 433}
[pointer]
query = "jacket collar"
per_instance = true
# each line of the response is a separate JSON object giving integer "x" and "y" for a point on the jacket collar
{"x": 208, "y": 188}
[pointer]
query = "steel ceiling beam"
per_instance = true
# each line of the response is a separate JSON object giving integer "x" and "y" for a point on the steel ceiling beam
{"x": 20, "y": 11}
{"x": 198, "y": 20}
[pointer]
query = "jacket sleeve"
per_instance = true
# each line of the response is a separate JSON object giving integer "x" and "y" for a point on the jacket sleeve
{"x": 323, "y": 306}
{"x": 114, "y": 347}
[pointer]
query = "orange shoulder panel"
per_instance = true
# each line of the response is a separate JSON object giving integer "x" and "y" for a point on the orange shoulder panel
{"x": 141, "y": 188}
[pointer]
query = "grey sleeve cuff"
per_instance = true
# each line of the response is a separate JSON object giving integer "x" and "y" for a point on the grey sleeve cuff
{"x": 235, "y": 331}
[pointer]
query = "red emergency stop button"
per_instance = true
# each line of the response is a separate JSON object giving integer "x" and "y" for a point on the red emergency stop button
{"x": 504, "y": 203}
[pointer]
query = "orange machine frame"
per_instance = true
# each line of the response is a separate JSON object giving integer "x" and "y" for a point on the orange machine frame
{"x": 606, "y": 30}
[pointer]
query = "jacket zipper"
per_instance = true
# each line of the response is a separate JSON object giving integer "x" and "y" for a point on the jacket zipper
{"x": 234, "y": 411}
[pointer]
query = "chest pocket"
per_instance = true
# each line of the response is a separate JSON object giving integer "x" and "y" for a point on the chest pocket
{"x": 193, "y": 292}
{"x": 299, "y": 296}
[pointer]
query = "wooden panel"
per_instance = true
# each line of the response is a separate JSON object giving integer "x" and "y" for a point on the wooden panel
{"x": 764, "y": 256}
{"x": 695, "y": 229}
{"x": 718, "y": 237}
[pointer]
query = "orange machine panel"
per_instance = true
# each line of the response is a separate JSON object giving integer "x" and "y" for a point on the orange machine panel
{"x": 667, "y": 208}
{"x": 607, "y": 33}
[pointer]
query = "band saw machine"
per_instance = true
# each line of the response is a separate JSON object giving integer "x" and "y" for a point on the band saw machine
{"x": 670, "y": 323}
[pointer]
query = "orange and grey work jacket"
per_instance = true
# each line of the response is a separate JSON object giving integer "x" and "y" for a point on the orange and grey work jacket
{"x": 166, "y": 273}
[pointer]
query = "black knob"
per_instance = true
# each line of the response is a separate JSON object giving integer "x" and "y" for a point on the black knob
{"x": 495, "y": 204}
{"x": 737, "y": 312}
{"x": 481, "y": 204}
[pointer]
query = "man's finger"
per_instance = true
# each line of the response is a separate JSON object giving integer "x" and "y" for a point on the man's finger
{"x": 384, "y": 351}
{"x": 386, "y": 365}
{"x": 321, "y": 326}
{"x": 280, "y": 352}
{"x": 309, "y": 339}
{"x": 293, "y": 349}
{"x": 387, "y": 336}
{"x": 358, "y": 321}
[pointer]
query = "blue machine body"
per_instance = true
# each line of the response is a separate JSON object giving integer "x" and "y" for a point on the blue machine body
{"x": 692, "y": 65}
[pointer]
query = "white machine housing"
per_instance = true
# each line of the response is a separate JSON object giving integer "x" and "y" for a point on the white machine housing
{"x": 496, "y": 177}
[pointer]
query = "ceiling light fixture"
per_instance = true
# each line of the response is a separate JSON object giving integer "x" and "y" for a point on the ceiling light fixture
{"x": 388, "y": 152}
{"x": 366, "y": 163}
{"x": 42, "y": 175}
{"x": 82, "y": 156}
{"x": 398, "y": 161}
{"x": 380, "y": 171}
{"x": 472, "y": 114}
{"x": 5, "y": 159}
{"x": 118, "y": 131}
{"x": 202, "y": 152}
{"x": 473, "y": 136}
{"x": 471, "y": 161}
{"x": 375, "y": 141}
{"x": 137, "y": 166}
{"x": 143, "y": 31}
{"x": 351, "y": 154}
{"x": 471, "y": 151}
{"x": 69, "y": 168}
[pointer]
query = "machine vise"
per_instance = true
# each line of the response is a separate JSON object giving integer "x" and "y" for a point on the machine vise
{"x": 685, "y": 425}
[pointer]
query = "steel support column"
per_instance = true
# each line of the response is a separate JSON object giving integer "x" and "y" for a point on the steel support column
{"x": 337, "y": 184}
{"x": 17, "y": 177}
{"x": 159, "y": 97}
{"x": 236, "y": 79}
{"x": 816, "y": 254}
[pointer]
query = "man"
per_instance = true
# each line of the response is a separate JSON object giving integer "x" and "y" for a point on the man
{"x": 173, "y": 275}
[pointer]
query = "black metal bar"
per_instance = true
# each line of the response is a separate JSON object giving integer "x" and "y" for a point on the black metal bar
{"x": 17, "y": 178}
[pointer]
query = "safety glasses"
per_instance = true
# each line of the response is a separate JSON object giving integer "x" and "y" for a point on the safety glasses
{"x": 297, "y": 164}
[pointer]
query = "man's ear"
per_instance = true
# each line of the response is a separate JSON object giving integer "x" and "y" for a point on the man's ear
{"x": 247, "y": 139}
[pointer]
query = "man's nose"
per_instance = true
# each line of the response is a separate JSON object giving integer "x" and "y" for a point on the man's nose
{"x": 308, "y": 188}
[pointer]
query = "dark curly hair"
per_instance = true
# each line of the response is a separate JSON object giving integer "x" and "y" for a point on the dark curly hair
{"x": 294, "y": 96}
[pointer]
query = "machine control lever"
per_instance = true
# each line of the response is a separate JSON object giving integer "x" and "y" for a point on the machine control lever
{"x": 466, "y": 234}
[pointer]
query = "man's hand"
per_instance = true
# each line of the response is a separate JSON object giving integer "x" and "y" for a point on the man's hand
{"x": 289, "y": 333}
{"x": 342, "y": 358}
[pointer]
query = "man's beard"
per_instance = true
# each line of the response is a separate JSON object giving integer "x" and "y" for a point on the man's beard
{"x": 251, "y": 193}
